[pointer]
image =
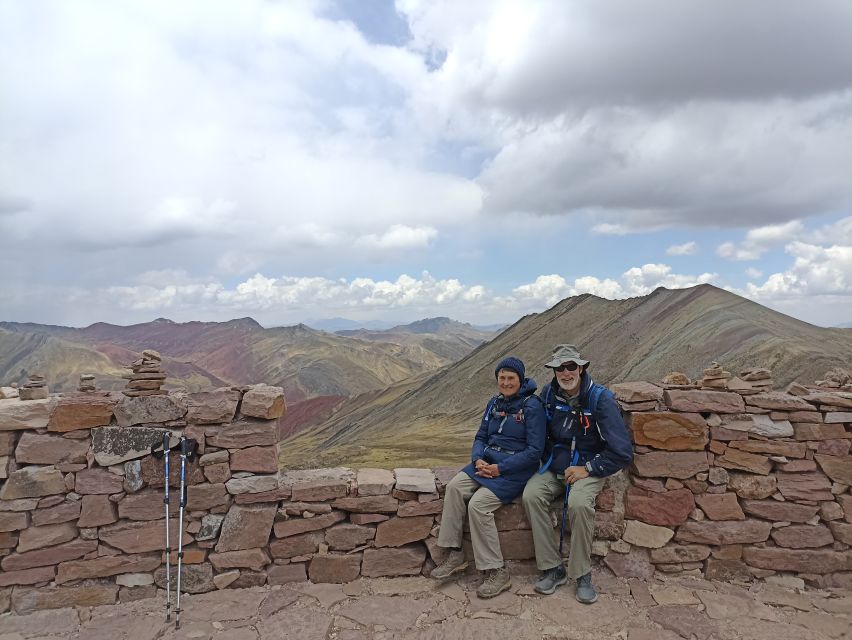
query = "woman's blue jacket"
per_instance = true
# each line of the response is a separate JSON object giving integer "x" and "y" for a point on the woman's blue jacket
{"x": 511, "y": 435}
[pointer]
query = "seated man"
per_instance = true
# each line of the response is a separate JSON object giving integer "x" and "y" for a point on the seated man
{"x": 586, "y": 441}
{"x": 506, "y": 452}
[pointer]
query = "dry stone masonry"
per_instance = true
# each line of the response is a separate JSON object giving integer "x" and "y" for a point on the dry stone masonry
{"x": 87, "y": 383}
{"x": 728, "y": 482}
{"x": 145, "y": 377}
{"x": 34, "y": 389}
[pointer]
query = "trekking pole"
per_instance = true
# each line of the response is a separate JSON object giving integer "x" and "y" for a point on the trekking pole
{"x": 575, "y": 456}
{"x": 187, "y": 451}
{"x": 165, "y": 453}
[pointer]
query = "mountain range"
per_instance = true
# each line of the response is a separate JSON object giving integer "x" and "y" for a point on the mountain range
{"x": 432, "y": 422}
{"x": 197, "y": 355}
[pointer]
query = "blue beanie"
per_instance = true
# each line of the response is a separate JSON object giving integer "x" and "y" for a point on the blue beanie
{"x": 513, "y": 364}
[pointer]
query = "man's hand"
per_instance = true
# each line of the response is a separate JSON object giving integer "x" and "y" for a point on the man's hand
{"x": 488, "y": 471}
{"x": 479, "y": 464}
{"x": 572, "y": 474}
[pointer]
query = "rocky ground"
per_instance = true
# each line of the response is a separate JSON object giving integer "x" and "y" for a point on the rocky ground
{"x": 419, "y": 608}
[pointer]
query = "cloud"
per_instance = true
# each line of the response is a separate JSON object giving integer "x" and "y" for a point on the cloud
{"x": 641, "y": 125}
{"x": 226, "y": 123}
{"x": 399, "y": 236}
{"x": 685, "y": 249}
{"x": 753, "y": 273}
{"x": 815, "y": 271}
{"x": 730, "y": 251}
{"x": 636, "y": 281}
{"x": 758, "y": 241}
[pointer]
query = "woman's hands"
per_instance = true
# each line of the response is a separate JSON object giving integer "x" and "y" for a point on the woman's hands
{"x": 486, "y": 470}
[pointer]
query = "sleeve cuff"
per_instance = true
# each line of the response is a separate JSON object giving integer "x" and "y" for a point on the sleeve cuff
{"x": 589, "y": 467}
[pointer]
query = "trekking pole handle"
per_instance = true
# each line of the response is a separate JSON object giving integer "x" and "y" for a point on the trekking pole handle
{"x": 188, "y": 447}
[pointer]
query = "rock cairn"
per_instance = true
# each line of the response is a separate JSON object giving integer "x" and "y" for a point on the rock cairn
{"x": 836, "y": 379}
{"x": 750, "y": 381}
{"x": 715, "y": 377}
{"x": 755, "y": 380}
{"x": 34, "y": 389}
{"x": 677, "y": 379}
{"x": 146, "y": 377}
{"x": 87, "y": 383}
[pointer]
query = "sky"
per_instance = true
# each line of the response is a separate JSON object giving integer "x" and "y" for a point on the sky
{"x": 378, "y": 160}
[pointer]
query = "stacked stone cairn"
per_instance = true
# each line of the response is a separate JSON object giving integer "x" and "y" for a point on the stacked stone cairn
{"x": 87, "y": 383}
{"x": 715, "y": 377}
{"x": 34, "y": 389}
{"x": 757, "y": 378}
{"x": 676, "y": 379}
{"x": 723, "y": 485}
{"x": 146, "y": 377}
{"x": 837, "y": 378}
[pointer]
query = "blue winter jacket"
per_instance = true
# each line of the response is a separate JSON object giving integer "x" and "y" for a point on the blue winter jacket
{"x": 511, "y": 435}
{"x": 602, "y": 439}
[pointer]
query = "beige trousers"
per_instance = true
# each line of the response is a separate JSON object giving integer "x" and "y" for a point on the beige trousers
{"x": 541, "y": 490}
{"x": 465, "y": 495}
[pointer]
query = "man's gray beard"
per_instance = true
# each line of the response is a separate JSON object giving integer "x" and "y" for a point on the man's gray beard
{"x": 568, "y": 389}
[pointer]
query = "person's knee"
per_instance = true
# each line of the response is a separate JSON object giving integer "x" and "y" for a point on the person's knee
{"x": 578, "y": 508}
{"x": 535, "y": 498}
{"x": 454, "y": 486}
{"x": 480, "y": 505}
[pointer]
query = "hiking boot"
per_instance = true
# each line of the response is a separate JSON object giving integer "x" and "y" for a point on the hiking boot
{"x": 455, "y": 563}
{"x": 551, "y": 579}
{"x": 585, "y": 591}
{"x": 496, "y": 582}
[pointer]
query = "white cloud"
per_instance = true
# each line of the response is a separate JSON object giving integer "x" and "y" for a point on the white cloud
{"x": 685, "y": 249}
{"x": 816, "y": 271}
{"x": 610, "y": 229}
{"x": 731, "y": 251}
{"x": 753, "y": 273}
{"x": 399, "y": 236}
{"x": 637, "y": 281}
{"x": 758, "y": 241}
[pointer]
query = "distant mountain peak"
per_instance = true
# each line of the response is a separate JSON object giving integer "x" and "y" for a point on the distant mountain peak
{"x": 163, "y": 321}
{"x": 428, "y": 325}
{"x": 245, "y": 323}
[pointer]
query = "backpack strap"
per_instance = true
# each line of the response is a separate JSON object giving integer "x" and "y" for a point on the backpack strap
{"x": 548, "y": 394}
{"x": 594, "y": 395}
{"x": 488, "y": 409}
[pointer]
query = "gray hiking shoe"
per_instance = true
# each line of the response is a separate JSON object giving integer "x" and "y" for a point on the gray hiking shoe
{"x": 455, "y": 563}
{"x": 551, "y": 579}
{"x": 496, "y": 582}
{"x": 585, "y": 591}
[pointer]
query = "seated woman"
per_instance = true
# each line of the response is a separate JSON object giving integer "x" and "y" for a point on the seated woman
{"x": 506, "y": 453}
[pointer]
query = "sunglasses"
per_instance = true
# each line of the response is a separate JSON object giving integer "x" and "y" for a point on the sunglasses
{"x": 568, "y": 366}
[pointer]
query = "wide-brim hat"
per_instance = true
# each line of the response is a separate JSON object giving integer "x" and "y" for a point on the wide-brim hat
{"x": 563, "y": 353}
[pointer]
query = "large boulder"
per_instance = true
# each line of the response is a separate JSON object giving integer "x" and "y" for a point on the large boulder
{"x": 32, "y": 482}
{"x": 34, "y": 448}
{"x": 670, "y": 431}
{"x": 114, "y": 445}
{"x": 81, "y": 412}
{"x": 246, "y": 527}
{"x": 148, "y": 409}
{"x": 263, "y": 401}
{"x": 16, "y": 415}
{"x": 211, "y": 407}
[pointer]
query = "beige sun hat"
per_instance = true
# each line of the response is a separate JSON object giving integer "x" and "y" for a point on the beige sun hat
{"x": 563, "y": 353}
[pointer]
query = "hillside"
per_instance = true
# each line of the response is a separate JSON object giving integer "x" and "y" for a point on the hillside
{"x": 197, "y": 355}
{"x": 62, "y": 361}
{"x": 635, "y": 339}
{"x": 446, "y": 338}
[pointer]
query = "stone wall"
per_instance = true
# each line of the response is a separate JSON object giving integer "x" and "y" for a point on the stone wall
{"x": 735, "y": 484}
{"x": 727, "y": 484}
